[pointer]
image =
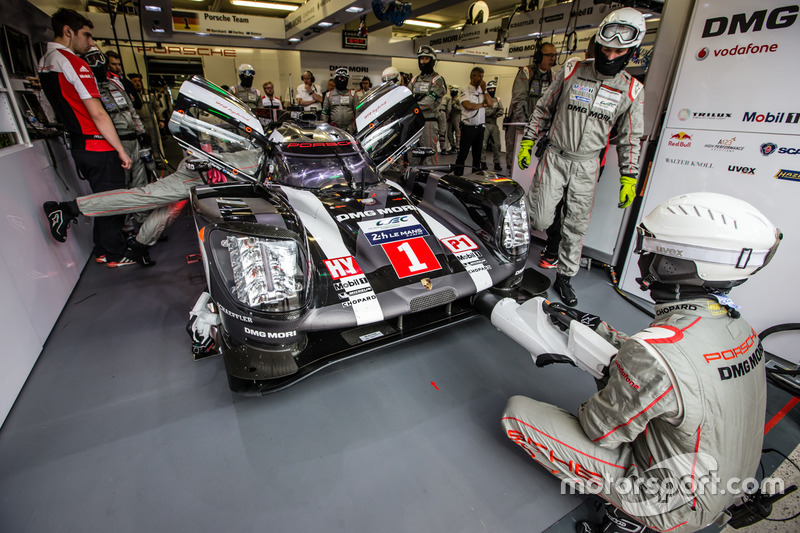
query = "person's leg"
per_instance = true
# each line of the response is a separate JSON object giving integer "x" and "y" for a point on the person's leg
{"x": 547, "y": 188}
{"x": 157, "y": 221}
{"x": 484, "y": 146}
{"x": 477, "y": 147}
{"x": 549, "y": 254}
{"x": 494, "y": 134}
{"x": 577, "y": 213}
{"x": 463, "y": 149}
{"x": 511, "y": 139}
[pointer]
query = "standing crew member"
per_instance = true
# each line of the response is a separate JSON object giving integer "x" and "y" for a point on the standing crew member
{"x": 474, "y": 101}
{"x": 339, "y": 106}
{"x": 115, "y": 68}
{"x": 270, "y": 101}
{"x": 454, "y": 120}
{"x": 366, "y": 85}
{"x": 96, "y": 149}
{"x": 308, "y": 93}
{"x": 245, "y": 90}
{"x": 681, "y": 409}
{"x": 586, "y": 99}
{"x": 492, "y": 130}
{"x": 429, "y": 88}
{"x": 530, "y": 84}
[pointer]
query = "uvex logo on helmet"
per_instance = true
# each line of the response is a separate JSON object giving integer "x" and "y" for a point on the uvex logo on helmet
{"x": 778, "y": 18}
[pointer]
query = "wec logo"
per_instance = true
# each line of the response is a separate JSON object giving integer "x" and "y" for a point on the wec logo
{"x": 392, "y": 221}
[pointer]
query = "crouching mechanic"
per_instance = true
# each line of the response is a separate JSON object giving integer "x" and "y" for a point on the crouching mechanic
{"x": 586, "y": 99}
{"x": 682, "y": 410}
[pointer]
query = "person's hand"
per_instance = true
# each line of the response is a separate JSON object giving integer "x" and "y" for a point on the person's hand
{"x": 126, "y": 160}
{"x": 144, "y": 139}
{"x": 524, "y": 154}
{"x": 627, "y": 191}
{"x": 483, "y": 85}
{"x": 587, "y": 319}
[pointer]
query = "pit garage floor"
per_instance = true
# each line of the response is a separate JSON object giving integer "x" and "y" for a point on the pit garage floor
{"x": 118, "y": 429}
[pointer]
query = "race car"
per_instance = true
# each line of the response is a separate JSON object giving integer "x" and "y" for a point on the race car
{"x": 312, "y": 255}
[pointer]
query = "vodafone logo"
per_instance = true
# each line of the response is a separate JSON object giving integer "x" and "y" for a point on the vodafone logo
{"x": 702, "y": 54}
{"x": 741, "y": 50}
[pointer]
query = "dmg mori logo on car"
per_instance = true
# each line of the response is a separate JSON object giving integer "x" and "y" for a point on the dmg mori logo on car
{"x": 270, "y": 334}
{"x": 778, "y": 18}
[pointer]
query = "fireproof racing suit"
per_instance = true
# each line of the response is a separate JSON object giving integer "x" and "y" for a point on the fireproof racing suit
{"x": 683, "y": 413}
{"x": 128, "y": 125}
{"x": 429, "y": 90}
{"x": 530, "y": 84}
{"x": 579, "y": 108}
{"x": 249, "y": 95}
{"x": 441, "y": 122}
{"x": 492, "y": 130}
{"x": 339, "y": 109}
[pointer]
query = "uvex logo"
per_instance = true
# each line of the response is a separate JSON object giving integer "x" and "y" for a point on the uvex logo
{"x": 743, "y": 170}
{"x": 669, "y": 251}
{"x": 780, "y": 17}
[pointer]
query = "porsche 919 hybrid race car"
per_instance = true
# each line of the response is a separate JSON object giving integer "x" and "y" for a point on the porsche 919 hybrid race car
{"x": 312, "y": 255}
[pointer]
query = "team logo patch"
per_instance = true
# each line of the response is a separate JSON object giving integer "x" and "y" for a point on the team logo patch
{"x": 768, "y": 148}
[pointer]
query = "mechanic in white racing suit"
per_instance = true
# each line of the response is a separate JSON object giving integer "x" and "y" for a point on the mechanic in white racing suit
{"x": 585, "y": 100}
{"x": 245, "y": 91}
{"x": 339, "y": 104}
{"x": 682, "y": 411}
{"x": 429, "y": 88}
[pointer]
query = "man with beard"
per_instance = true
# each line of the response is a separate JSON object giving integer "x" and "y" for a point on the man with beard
{"x": 245, "y": 90}
{"x": 429, "y": 88}
{"x": 585, "y": 100}
{"x": 339, "y": 106}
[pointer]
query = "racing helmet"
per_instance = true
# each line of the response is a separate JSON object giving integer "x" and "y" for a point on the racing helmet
{"x": 97, "y": 63}
{"x": 491, "y": 87}
{"x": 426, "y": 51}
{"x": 340, "y": 78}
{"x": 390, "y": 74}
{"x": 623, "y": 28}
{"x": 453, "y": 90}
{"x": 704, "y": 239}
{"x": 246, "y": 74}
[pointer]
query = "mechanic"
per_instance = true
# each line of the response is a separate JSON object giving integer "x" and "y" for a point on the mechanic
{"x": 429, "y": 88}
{"x": 441, "y": 122}
{"x": 339, "y": 105}
{"x": 366, "y": 85}
{"x": 391, "y": 74}
{"x": 308, "y": 93}
{"x": 585, "y": 100}
{"x": 474, "y": 100}
{"x": 129, "y": 126}
{"x": 492, "y": 130}
{"x": 95, "y": 146}
{"x": 164, "y": 199}
{"x": 453, "y": 121}
{"x": 530, "y": 84}
{"x": 115, "y": 68}
{"x": 146, "y": 112}
{"x": 684, "y": 400}
{"x": 245, "y": 90}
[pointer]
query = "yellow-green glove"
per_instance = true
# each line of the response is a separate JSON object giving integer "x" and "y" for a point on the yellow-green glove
{"x": 627, "y": 191}
{"x": 524, "y": 154}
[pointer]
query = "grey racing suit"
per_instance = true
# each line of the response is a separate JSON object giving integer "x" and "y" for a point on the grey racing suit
{"x": 164, "y": 199}
{"x": 492, "y": 130}
{"x": 579, "y": 108}
{"x": 128, "y": 125}
{"x": 249, "y": 95}
{"x": 441, "y": 123}
{"x": 530, "y": 84}
{"x": 429, "y": 89}
{"x": 454, "y": 125}
{"x": 681, "y": 419}
{"x": 339, "y": 109}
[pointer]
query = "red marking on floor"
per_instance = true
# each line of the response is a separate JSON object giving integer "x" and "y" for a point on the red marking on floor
{"x": 434, "y": 384}
{"x": 780, "y": 414}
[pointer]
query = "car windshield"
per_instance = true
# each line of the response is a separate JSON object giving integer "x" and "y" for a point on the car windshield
{"x": 326, "y": 172}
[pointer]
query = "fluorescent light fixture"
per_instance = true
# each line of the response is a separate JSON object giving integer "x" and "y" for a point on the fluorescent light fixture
{"x": 256, "y": 38}
{"x": 647, "y": 15}
{"x": 438, "y": 51}
{"x": 424, "y": 23}
{"x": 265, "y": 5}
{"x": 325, "y": 24}
{"x": 294, "y": 40}
{"x": 355, "y": 9}
{"x": 154, "y": 9}
{"x": 534, "y": 34}
{"x": 509, "y": 58}
{"x": 488, "y": 42}
{"x": 158, "y": 30}
{"x": 200, "y": 33}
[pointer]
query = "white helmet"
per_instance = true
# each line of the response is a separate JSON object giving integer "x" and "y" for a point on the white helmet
{"x": 623, "y": 28}
{"x": 491, "y": 84}
{"x": 246, "y": 69}
{"x": 704, "y": 239}
{"x": 390, "y": 74}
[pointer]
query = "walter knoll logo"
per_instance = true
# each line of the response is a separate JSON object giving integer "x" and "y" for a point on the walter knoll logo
{"x": 681, "y": 140}
{"x": 689, "y": 162}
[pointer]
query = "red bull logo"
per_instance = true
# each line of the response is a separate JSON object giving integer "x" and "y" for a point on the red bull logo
{"x": 681, "y": 140}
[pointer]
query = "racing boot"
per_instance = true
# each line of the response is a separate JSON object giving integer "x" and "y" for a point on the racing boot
{"x": 140, "y": 253}
{"x": 563, "y": 287}
{"x": 59, "y": 215}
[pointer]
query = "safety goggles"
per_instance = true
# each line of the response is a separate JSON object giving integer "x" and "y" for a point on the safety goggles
{"x": 624, "y": 33}
{"x": 95, "y": 58}
{"x": 250, "y": 73}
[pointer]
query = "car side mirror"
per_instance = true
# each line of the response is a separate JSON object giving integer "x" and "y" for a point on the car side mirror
{"x": 422, "y": 151}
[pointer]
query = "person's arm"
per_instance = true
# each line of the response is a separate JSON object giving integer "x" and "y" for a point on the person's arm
{"x": 430, "y": 101}
{"x": 630, "y": 128}
{"x": 470, "y": 106}
{"x": 326, "y": 109}
{"x": 639, "y": 389}
{"x": 519, "y": 96}
{"x": 106, "y": 128}
{"x": 487, "y": 98}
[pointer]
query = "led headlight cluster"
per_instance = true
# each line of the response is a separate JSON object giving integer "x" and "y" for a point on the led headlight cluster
{"x": 515, "y": 237}
{"x": 266, "y": 272}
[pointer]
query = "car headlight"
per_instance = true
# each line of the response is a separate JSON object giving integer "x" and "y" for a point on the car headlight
{"x": 262, "y": 273}
{"x": 515, "y": 237}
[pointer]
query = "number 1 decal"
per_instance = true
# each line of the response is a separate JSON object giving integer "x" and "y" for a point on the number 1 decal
{"x": 411, "y": 257}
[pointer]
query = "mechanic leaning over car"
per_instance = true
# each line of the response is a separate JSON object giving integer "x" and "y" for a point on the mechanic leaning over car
{"x": 429, "y": 89}
{"x": 245, "y": 91}
{"x": 339, "y": 105}
{"x": 684, "y": 400}
{"x": 585, "y": 100}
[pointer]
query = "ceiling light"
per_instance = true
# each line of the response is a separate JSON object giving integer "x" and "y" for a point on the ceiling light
{"x": 647, "y": 15}
{"x": 155, "y": 9}
{"x": 264, "y": 5}
{"x": 355, "y": 9}
{"x": 325, "y": 24}
{"x": 158, "y": 30}
{"x": 488, "y": 42}
{"x": 294, "y": 40}
{"x": 426, "y": 24}
{"x": 438, "y": 51}
{"x": 534, "y": 34}
{"x": 200, "y": 33}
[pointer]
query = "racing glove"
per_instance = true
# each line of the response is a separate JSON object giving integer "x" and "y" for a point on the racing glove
{"x": 524, "y": 154}
{"x": 627, "y": 191}
{"x": 587, "y": 319}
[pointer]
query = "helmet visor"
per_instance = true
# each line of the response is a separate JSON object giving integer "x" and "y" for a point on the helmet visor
{"x": 624, "y": 33}
{"x": 248, "y": 72}
{"x": 95, "y": 58}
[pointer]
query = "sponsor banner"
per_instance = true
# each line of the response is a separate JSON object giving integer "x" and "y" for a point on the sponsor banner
{"x": 323, "y": 65}
{"x": 230, "y": 24}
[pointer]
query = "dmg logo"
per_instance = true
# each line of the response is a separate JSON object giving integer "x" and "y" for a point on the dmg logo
{"x": 778, "y": 18}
